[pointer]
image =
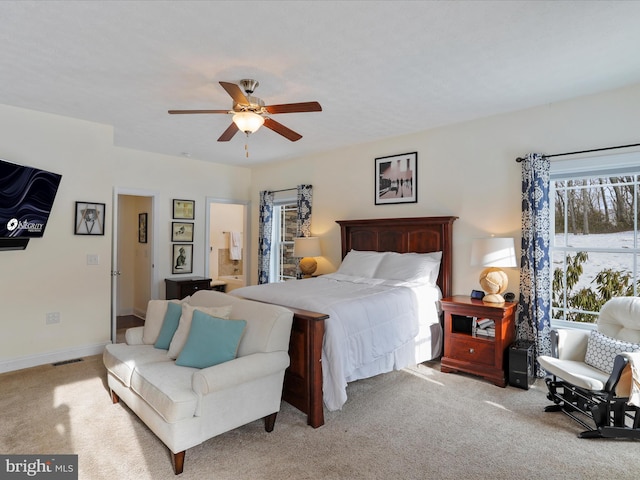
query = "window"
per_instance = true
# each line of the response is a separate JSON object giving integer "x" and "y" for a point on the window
{"x": 283, "y": 263}
{"x": 594, "y": 226}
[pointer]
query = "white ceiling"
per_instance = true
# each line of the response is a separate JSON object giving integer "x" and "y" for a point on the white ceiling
{"x": 379, "y": 69}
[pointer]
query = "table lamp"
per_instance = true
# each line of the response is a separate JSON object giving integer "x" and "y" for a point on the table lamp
{"x": 493, "y": 253}
{"x": 307, "y": 248}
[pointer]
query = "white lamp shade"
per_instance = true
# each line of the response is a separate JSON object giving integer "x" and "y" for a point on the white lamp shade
{"x": 306, "y": 247}
{"x": 248, "y": 122}
{"x": 493, "y": 252}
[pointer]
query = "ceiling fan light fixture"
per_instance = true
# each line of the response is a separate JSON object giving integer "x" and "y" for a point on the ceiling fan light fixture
{"x": 248, "y": 122}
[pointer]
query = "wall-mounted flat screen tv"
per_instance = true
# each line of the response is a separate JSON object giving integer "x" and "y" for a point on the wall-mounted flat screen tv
{"x": 26, "y": 199}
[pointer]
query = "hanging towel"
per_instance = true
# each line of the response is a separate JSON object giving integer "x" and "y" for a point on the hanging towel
{"x": 634, "y": 366}
{"x": 235, "y": 245}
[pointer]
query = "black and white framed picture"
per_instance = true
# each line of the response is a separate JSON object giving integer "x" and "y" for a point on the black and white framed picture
{"x": 181, "y": 232}
{"x": 183, "y": 209}
{"x": 89, "y": 218}
{"x": 142, "y": 228}
{"x": 396, "y": 179}
{"x": 182, "y": 258}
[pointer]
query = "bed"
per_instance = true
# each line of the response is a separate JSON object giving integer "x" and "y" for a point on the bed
{"x": 350, "y": 340}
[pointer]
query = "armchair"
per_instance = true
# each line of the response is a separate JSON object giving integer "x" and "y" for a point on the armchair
{"x": 594, "y": 376}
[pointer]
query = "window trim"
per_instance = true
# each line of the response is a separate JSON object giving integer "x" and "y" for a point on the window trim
{"x": 580, "y": 168}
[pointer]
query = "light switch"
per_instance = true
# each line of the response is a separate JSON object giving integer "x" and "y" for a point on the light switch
{"x": 93, "y": 259}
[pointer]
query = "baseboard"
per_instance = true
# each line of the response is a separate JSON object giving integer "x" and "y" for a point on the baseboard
{"x": 50, "y": 357}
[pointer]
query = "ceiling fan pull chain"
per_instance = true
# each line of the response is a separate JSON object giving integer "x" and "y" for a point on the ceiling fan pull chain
{"x": 246, "y": 146}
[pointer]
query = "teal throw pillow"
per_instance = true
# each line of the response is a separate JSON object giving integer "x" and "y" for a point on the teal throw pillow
{"x": 169, "y": 325}
{"x": 211, "y": 341}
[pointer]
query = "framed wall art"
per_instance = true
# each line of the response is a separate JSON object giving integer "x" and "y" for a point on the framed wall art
{"x": 89, "y": 218}
{"x": 183, "y": 209}
{"x": 181, "y": 232}
{"x": 182, "y": 258}
{"x": 142, "y": 228}
{"x": 396, "y": 179}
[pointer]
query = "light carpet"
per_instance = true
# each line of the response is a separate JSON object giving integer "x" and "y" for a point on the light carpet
{"x": 413, "y": 424}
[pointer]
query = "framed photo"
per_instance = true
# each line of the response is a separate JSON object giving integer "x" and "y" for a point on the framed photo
{"x": 397, "y": 179}
{"x": 89, "y": 218}
{"x": 181, "y": 232}
{"x": 183, "y": 209}
{"x": 142, "y": 228}
{"x": 182, "y": 258}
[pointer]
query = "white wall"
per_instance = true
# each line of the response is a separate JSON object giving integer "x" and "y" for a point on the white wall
{"x": 467, "y": 170}
{"x": 52, "y": 274}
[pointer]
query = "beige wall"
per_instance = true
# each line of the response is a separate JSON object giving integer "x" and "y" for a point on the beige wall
{"x": 467, "y": 170}
{"x": 52, "y": 274}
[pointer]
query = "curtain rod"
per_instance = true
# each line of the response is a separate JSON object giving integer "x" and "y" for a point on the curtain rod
{"x": 283, "y": 190}
{"x": 520, "y": 159}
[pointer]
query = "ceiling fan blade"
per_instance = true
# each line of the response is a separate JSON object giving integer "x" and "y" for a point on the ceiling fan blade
{"x": 294, "y": 107}
{"x": 174, "y": 112}
{"x": 235, "y": 92}
{"x": 228, "y": 133}
{"x": 282, "y": 130}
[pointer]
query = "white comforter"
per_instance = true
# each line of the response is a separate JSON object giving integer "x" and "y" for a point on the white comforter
{"x": 369, "y": 320}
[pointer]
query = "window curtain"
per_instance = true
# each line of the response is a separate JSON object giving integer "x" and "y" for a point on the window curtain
{"x": 533, "y": 313}
{"x": 303, "y": 223}
{"x": 265, "y": 228}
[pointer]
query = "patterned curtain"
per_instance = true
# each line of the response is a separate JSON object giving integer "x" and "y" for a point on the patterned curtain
{"x": 265, "y": 228}
{"x": 304, "y": 197}
{"x": 534, "y": 307}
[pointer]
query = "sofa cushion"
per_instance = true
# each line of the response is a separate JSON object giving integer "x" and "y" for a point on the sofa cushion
{"x": 182, "y": 333}
{"x": 602, "y": 350}
{"x": 121, "y": 359}
{"x": 169, "y": 326}
{"x": 211, "y": 341}
{"x": 166, "y": 387}
{"x": 154, "y": 318}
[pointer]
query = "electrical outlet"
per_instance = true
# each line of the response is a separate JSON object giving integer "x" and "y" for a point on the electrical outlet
{"x": 52, "y": 317}
{"x": 93, "y": 259}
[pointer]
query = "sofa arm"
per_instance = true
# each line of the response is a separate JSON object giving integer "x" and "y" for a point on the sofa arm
{"x": 133, "y": 336}
{"x": 572, "y": 343}
{"x": 239, "y": 370}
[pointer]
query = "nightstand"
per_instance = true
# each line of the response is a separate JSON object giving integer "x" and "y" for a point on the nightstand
{"x": 464, "y": 350}
{"x": 178, "y": 288}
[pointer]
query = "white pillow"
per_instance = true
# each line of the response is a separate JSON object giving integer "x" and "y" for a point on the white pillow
{"x": 410, "y": 267}
{"x": 182, "y": 333}
{"x": 156, "y": 310}
{"x": 360, "y": 263}
{"x": 602, "y": 350}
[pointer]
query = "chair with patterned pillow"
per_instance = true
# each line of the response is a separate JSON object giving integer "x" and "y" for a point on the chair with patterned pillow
{"x": 594, "y": 376}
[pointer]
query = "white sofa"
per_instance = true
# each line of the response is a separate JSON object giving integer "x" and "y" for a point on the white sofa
{"x": 183, "y": 405}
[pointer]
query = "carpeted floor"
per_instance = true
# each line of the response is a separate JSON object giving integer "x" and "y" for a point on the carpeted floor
{"x": 413, "y": 424}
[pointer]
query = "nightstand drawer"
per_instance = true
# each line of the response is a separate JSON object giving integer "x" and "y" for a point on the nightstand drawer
{"x": 472, "y": 350}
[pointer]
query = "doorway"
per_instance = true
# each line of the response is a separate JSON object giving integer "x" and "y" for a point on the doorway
{"x": 133, "y": 257}
{"x": 227, "y": 242}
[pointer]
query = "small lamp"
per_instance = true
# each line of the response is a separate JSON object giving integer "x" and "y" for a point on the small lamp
{"x": 307, "y": 248}
{"x": 248, "y": 122}
{"x": 493, "y": 253}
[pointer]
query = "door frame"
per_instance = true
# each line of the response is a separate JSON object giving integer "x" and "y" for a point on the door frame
{"x": 246, "y": 263}
{"x": 153, "y": 288}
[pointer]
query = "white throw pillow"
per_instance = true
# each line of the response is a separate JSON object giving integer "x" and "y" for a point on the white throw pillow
{"x": 360, "y": 263}
{"x": 182, "y": 333}
{"x": 156, "y": 310}
{"x": 602, "y": 350}
{"x": 410, "y": 267}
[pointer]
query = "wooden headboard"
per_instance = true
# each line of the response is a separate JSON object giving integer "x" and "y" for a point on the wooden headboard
{"x": 404, "y": 235}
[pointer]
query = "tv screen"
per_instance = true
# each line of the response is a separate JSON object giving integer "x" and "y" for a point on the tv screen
{"x": 26, "y": 198}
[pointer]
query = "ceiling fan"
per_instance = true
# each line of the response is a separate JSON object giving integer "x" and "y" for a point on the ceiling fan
{"x": 250, "y": 113}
